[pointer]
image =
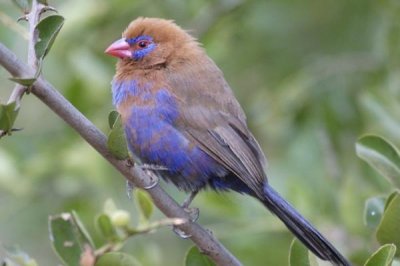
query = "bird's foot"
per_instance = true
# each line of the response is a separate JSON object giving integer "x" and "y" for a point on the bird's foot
{"x": 180, "y": 233}
{"x": 153, "y": 180}
{"x": 193, "y": 213}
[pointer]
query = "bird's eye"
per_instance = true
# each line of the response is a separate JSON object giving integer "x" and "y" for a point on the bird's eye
{"x": 143, "y": 44}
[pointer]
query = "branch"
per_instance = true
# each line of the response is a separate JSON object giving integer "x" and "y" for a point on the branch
{"x": 33, "y": 17}
{"x": 205, "y": 241}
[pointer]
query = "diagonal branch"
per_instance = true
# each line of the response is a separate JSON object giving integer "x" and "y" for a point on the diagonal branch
{"x": 205, "y": 241}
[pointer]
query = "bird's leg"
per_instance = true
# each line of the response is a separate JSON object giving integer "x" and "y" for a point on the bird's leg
{"x": 193, "y": 213}
{"x": 189, "y": 199}
{"x": 148, "y": 169}
{"x": 153, "y": 179}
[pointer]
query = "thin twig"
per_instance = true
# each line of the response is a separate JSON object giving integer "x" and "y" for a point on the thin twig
{"x": 129, "y": 232}
{"x": 205, "y": 241}
{"x": 33, "y": 17}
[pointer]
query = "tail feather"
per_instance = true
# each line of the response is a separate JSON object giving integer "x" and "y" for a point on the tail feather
{"x": 301, "y": 228}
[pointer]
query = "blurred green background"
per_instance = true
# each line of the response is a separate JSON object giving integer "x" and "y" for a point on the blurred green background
{"x": 311, "y": 75}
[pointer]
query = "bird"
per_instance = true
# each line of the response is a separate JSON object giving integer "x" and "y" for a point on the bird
{"x": 180, "y": 114}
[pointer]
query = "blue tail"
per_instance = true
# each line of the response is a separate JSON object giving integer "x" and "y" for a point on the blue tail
{"x": 301, "y": 228}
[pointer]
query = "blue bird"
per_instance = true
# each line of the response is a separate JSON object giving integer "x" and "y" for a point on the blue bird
{"x": 179, "y": 113}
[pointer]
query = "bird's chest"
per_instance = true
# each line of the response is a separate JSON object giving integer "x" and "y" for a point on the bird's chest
{"x": 150, "y": 129}
{"x": 154, "y": 135}
{"x": 149, "y": 117}
{"x": 143, "y": 102}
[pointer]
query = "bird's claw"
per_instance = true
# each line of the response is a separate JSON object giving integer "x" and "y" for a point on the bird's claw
{"x": 194, "y": 213}
{"x": 153, "y": 179}
{"x": 180, "y": 232}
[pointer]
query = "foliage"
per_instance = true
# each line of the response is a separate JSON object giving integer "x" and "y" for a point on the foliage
{"x": 312, "y": 77}
{"x": 74, "y": 245}
{"x": 195, "y": 258}
{"x": 116, "y": 139}
{"x": 8, "y": 114}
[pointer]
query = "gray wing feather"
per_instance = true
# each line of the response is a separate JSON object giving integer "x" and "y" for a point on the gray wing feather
{"x": 214, "y": 120}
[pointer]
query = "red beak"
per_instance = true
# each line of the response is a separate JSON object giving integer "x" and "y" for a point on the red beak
{"x": 120, "y": 49}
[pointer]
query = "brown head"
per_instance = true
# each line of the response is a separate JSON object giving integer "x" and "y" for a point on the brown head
{"x": 149, "y": 43}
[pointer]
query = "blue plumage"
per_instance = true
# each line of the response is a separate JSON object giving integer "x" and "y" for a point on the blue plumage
{"x": 122, "y": 90}
{"x": 152, "y": 134}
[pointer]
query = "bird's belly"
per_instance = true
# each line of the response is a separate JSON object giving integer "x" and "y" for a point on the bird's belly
{"x": 156, "y": 141}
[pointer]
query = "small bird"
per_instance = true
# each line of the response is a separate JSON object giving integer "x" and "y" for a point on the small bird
{"x": 180, "y": 114}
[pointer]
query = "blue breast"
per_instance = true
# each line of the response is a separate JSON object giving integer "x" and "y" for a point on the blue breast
{"x": 153, "y": 135}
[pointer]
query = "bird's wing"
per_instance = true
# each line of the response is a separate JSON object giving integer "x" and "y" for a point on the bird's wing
{"x": 211, "y": 117}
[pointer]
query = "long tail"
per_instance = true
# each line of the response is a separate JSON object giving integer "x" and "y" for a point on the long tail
{"x": 301, "y": 228}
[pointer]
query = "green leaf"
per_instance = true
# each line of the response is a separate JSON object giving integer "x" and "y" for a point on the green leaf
{"x": 106, "y": 227}
{"x": 300, "y": 256}
{"x": 117, "y": 259}
{"x": 47, "y": 28}
{"x": 388, "y": 231}
{"x": 390, "y": 198}
{"x": 373, "y": 211}
{"x": 383, "y": 256}
{"x": 195, "y": 258}
{"x": 112, "y": 118}
{"x": 116, "y": 142}
{"x": 82, "y": 229}
{"x": 8, "y": 114}
{"x": 381, "y": 155}
{"x": 67, "y": 239}
{"x": 24, "y": 81}
{"x": 144, "y": 204}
